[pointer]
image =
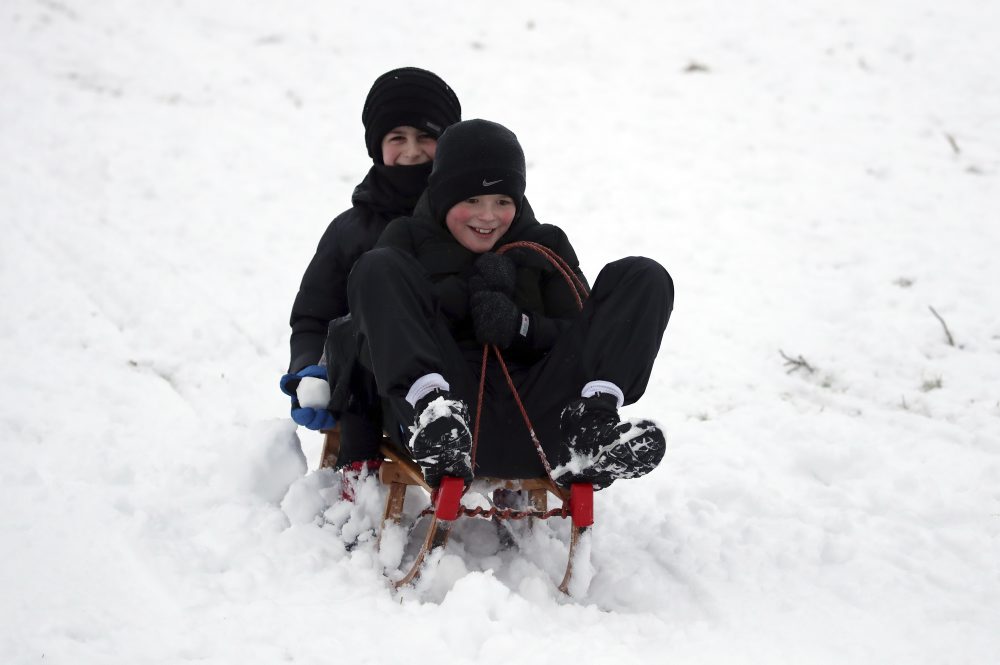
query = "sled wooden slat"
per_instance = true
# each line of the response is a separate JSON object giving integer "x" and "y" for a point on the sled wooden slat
{"x": 539, "y": 499}
{"x": 394, "y": 504}
{"x": 331, "y": 448}
{"x": 400, "y": 469}
{"x": 403, "y": 470}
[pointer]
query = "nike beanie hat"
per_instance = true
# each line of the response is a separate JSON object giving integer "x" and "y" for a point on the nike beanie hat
{"x": 473, "y": 158}
{"x": 407, "y": 96}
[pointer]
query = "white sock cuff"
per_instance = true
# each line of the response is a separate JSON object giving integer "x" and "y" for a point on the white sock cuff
{"x": 606, "y": 387}
{"x": 424, "y": 385}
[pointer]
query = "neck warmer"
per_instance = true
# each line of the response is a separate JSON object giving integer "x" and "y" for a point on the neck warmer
{"x": 393, "y": 191}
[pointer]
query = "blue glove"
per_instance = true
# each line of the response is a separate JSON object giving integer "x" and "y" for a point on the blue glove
{"x": 305, "y": 415}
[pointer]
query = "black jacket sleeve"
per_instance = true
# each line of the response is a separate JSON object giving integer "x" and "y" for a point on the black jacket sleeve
{"x": 322, "y": 297}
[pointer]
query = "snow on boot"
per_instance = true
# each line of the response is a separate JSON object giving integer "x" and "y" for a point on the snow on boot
{"x": 353, "y": 474}
{"x": 441, "y": 441}
{"x": 603, "y": 448}
{"x": 356, "y": 516}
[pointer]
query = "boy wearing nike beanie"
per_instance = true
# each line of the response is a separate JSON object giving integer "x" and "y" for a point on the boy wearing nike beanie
{"x": 435, "y": 290}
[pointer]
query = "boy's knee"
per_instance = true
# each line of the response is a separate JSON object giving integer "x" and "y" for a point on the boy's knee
{"x": 654, "y": 275}
{"x": 386, "y": 274}
{"x": 372, "y": 260}
{"x": 644, "y": 265}
{"x": 643, "y": 274}
{"x": 370, "y": 271}
{"x": 374, "y": 265}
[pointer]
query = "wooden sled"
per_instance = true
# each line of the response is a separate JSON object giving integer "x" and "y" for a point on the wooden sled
{"x": 399, "y": 472}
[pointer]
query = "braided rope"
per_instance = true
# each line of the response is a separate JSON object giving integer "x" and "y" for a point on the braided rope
{"x": 576, "y": 284}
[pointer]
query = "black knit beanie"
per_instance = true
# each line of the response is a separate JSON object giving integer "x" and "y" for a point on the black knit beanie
{"x": 475, "y": 157}
{"x": 407, "y": 96}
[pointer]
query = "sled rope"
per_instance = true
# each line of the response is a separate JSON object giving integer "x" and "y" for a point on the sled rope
{"x": 576, "y": 284}
{"x": 579, "y": 290}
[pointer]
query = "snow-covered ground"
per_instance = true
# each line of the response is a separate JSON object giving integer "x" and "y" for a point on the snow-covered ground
{"x": 815, "y": 175}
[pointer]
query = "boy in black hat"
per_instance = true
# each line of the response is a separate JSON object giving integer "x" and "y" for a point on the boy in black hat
{"x": 404, "y": 114}
{"x": 435, "y": 290}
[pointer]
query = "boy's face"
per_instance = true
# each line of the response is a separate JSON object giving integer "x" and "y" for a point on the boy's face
{"x": 407, "y": 146}
{"x": 477, "y": 223}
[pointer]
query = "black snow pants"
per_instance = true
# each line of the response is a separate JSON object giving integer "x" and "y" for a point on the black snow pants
{"x": 402, "y": 336}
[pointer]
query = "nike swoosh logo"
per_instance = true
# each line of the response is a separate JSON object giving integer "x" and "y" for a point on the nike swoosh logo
{"x": 488, "y": 183}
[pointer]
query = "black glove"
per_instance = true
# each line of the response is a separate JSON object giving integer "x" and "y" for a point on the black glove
{"x": 497, "y": 319}
{"x": 493, "y": 272}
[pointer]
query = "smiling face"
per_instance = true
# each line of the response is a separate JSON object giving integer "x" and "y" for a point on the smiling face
{"x": 407, "y": 146}
{"x": 477, "y": 223}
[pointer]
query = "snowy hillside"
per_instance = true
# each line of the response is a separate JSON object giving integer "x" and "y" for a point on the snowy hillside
{"x": 815, "y": 175}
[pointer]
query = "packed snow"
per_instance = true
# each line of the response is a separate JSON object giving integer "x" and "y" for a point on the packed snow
{"x": 821, "y": 179}
{"x": 312, "y": 392}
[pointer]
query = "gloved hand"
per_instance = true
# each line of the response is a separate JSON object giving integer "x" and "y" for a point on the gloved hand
{"x": 313, "y": 414}
{"x": 497, "y": 319}
{"x": 493, "y": 272}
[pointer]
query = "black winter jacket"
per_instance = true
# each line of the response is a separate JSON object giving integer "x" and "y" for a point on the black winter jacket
{"x": 540, "y": 289}
{"x": 384, "y": 194}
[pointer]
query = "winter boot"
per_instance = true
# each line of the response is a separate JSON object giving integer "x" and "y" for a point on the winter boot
{"x": 441, "y": 441}
{"x": 359, "y": 509}
{"x": 603, "y": 448}
{"x": 354, "y": 474}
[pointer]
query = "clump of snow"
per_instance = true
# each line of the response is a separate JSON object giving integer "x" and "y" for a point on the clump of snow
{"x": 577, "y": 463}
{"x": 272, "y": 460}
{"x": 309, "y": 496}
{"x": 480, "y": 537}
{"x": 355, "y": 520}
{"x": 473, "y": 499}
{"x": 441, "y": 571}
{"x": 439, "y": 408}
{"x": 313, "y": 392}
{"x": 392, "y": 542}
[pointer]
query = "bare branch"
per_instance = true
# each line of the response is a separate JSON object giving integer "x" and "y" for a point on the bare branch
{"x": 795, "y": 364}
{"x": 953, "y": 143}
{"x": 951, "y": 340}
{"x": 695, "y": 67}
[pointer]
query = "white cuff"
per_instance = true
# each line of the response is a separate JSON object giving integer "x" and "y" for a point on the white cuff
{"x": 606, "y": 387}
{"x": 424, "y": 385}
